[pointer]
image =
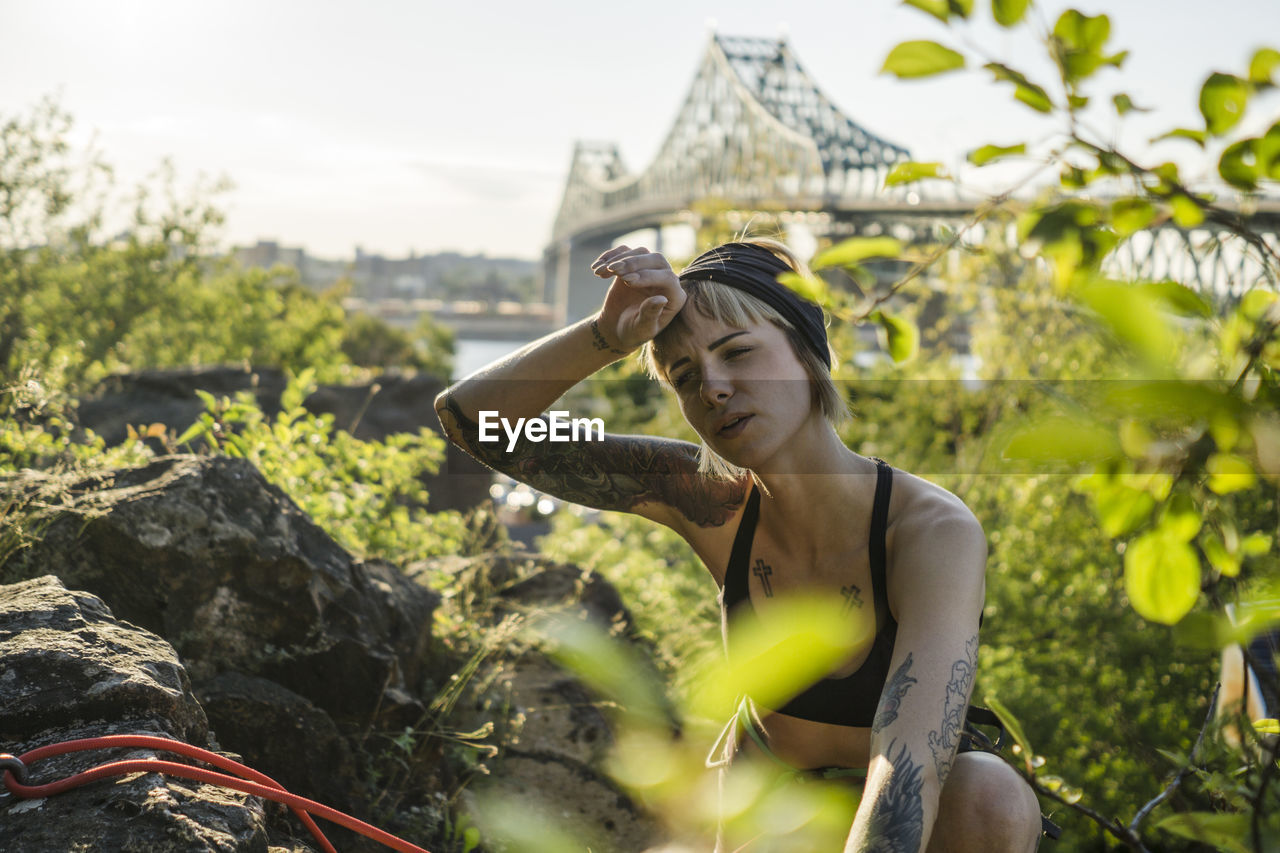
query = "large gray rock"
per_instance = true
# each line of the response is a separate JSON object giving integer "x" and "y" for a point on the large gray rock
{"x": 206, "y": 553}
{"x": 69, "y": 669}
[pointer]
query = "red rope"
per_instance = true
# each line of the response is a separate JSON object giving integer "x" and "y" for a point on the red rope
{"x": 252, "y": 782}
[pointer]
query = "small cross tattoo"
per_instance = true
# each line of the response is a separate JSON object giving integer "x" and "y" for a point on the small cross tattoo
{"x": 852, "y": 597}
{"x": 762, "y": 571}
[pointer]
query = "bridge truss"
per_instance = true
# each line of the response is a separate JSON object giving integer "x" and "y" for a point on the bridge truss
{"x": 756, "y": 133}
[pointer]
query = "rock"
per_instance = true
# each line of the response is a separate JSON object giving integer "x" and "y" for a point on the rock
{"x": 204, "y": 552}
{"x": 555, "y": 762}
{"x": 69, "y": 669}
{"x": 371, "y": 412}
{"x": 283, "y": 735}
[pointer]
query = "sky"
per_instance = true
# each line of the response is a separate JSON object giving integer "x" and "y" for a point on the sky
{"x": 403, "y": 126}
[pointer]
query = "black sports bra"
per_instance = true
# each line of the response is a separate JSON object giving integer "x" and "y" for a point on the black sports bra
{"x": 852, "y": 700}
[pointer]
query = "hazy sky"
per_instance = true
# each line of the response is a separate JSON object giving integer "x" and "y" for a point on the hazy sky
{"x": 395, "y": 125}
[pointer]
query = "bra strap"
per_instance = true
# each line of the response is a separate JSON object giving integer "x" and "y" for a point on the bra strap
{"x": 735, "y": 576}
{"x": 879, "y": 529}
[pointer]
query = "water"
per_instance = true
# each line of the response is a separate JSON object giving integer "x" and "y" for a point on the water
{"x": 471, "y": 355}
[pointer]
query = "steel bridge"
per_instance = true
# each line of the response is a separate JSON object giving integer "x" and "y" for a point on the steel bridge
{"x": 756, "y": 133}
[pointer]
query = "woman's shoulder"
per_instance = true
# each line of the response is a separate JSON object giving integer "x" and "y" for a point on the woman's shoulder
{"x": 932, "y": 530}
{"x": 918, "y": 506}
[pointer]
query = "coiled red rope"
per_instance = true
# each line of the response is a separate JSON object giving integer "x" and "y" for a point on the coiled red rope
{"x": 244, "y": 779}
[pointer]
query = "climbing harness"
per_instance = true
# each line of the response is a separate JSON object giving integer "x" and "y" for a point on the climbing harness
{"x": 17, "y": 775}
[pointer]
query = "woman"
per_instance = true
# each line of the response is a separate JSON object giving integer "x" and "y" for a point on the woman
{"x": 774, "y": 488}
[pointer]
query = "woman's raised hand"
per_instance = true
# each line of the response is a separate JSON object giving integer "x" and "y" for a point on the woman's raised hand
{"x": 644, "y": 297}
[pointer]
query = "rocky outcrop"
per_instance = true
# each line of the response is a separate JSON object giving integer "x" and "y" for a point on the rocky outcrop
{"x": 205, "y": 552}
{"x": 312, "y": 665}
{"x": 370, "y": 412}
{"x": 69, "y": 669}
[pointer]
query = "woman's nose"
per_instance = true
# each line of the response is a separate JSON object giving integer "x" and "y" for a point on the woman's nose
{"x": 715, "y": 388}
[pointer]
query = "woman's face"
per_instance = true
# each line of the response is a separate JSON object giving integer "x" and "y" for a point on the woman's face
{"x": 743, "y": 389}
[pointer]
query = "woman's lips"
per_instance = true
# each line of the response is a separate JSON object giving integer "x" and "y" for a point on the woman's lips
{"x": 734, "y": 427}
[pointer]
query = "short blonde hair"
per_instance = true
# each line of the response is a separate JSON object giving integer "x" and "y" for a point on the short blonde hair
{"x": 724, "y": 304}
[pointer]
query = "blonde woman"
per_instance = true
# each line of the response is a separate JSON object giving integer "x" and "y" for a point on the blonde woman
{"x": 773, "y": 502}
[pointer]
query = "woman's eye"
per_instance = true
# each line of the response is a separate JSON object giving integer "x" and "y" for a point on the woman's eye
{"x": 682, "y": 379}
{"x": 737, "y": 351}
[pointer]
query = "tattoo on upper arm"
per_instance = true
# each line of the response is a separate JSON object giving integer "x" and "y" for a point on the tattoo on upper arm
{"x": 852, "y": 598}
{"x": 896, "y": 822}
{"x": 891, "y": 699}
{"x": 943, "y": 742}
{"x": 618, "y": 474}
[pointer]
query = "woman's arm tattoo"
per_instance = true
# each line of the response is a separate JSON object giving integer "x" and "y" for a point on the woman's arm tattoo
{"x": 891, "y": 698}
{"x": 618, "y": 473}
{"x": 896, "y": 821}
{"x": 944, "y": 741}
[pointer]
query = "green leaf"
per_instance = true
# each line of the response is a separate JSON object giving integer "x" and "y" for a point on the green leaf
{"x": 1161, "y": 577}
{"x": 1024, "y": 90}
{"x": 1081, "y": 39}
{"x": 1082, "y": 32}
{"x": 898, "y": 335}
{"x": 1262, "y": 65}
{"x": 1186, "y": 212}
{"x": 1008, "y": 12}
{"x": 610, "y": 667}
{"x": 1063, "y": 439}
{"x": 1181, "y": 519}
{"x": 772, "y": 660}
{"x": 940, "y": 9}
{"x": 1196, "y": 136}
{"x": 1266, "y": 150}
{"x": 1238, "y": 165}
{"x": 1226, "y": 563}
{"x": 1131, "y": 314}
{"x": 1222, "y": 102}
{"x": 1210, "y": 632}
{"x": 1121, "y": 509}
{"x": 1180, "y": 400}
{"x": 1223, "y": 830}
{"x": 854, "y": 250}
{"x": 1013, "y": 727}
{"x": 1255, "y": 545}
{"x": 1267, "y": 727}
{"x": 1125, "y": 105}
{"x": 1178, "y": 298}
{"x": 1131, "y": 215}
{"x": 189, "y": 433}
{"x": 1229, "y": 473}
{"x": 909, "y": 170}
{"x": 912, "y": 59}
{"x": 989, "y": 153}
{"x": 811, "y": 287}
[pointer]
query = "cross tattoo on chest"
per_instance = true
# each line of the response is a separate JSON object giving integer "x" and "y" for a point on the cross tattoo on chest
{"x": 762, "y": 570}
{"x": 852, "y": 598}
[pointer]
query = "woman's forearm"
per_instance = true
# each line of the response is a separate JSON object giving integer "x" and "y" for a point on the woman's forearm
{"x": 524, "y": 383}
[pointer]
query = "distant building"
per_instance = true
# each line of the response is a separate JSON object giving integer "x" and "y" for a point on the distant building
{"x": 315, "y": 273}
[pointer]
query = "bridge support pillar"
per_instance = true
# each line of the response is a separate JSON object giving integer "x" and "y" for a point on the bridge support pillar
{"x": 569, "y": 285}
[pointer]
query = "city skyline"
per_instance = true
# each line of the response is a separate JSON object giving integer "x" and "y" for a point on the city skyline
{"x": 427, "y": 128}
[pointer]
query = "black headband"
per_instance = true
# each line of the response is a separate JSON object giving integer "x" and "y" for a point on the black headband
{"x": 754, "y": 270}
